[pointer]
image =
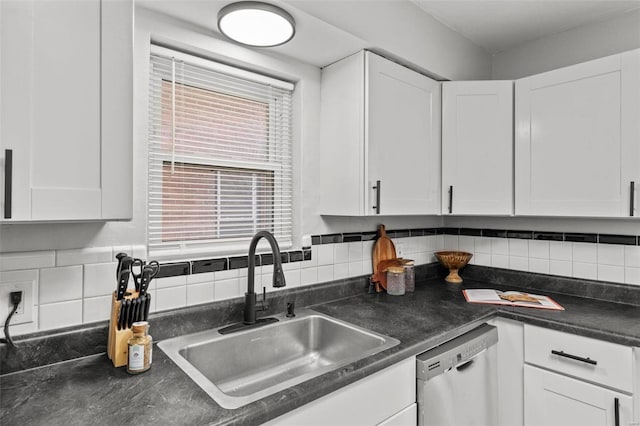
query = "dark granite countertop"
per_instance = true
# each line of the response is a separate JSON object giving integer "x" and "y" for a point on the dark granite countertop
{"x": 90, "y": 391}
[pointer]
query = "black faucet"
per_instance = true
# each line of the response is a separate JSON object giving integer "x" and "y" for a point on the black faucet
{"x": 278, "y": 274}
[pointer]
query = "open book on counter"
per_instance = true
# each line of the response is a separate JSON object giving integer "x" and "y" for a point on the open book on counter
{"x": 511, "y": 298}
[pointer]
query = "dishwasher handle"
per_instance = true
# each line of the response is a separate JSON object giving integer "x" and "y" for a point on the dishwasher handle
{"x": 465, "y": 365}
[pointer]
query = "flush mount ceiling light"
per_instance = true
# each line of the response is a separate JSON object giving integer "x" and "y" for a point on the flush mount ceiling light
{"x": 256, "y": 24}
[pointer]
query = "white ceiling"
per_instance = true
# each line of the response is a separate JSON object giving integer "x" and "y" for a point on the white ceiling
{"x": 494, "y": 25}
{"x": 500, "y": 25}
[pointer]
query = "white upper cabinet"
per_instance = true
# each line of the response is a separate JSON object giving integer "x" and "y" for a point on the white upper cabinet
{"x": 477, "y": 148}
{"x": 577, "y": 139}
{"x": 66, "y": 110}
{"x": 380, "y": 123}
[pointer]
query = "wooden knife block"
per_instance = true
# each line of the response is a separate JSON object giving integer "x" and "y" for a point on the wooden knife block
{"x": 117, "y": 345}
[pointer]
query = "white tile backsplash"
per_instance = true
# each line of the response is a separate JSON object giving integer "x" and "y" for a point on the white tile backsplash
{"x": 519, "y": 248}
{"x": 587, "y": 271}
{"x": 325, "y": 254}
{"x": 200, "y": 293}
{"x": 632, "y": 256}
{"x": 482, "y": 245}
{"x": 519, "y": 263}
{"x": 96, "y": 309}
{"x": 82, "y": 256}
{"x": 450, "y": 242}
{"x": 340, "y": 271}
{"x": 560, "y": 250}
{"x": 170, "y": 298}
{"x": 610, "y": 254}
{"x": 632, "y": 275}
{"x": 61, "y": 284}
{"x": 539, "y": 266}
{"x": 62, "y": 314}
{"x": 340, "y": 253}
{"x": 585, "y": 253}
{"x": 611, "y": 273}
{"x": 355, "y": 251}
{"x": 309, "y": 276}
{"x": 466, "y": 243}
{"x": 325, "y": 273}
{"x": 539, "y": 249}
{"x": 499, "y": 246}
{"x": 227, "y": 288}
{"x": 500, "y": 261}
{"x": 27, "y": 260}
{"x": 167, "y": 282}
{"x": 99, "y": 279}
{"x": 560, "y": 267}
{"x": 81, "y": 292}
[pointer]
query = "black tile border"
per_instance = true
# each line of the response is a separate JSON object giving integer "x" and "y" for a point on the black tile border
{"x": 199, "y": 266}
{"x": 483, "y": 232}
{"x": 627, "y": 240}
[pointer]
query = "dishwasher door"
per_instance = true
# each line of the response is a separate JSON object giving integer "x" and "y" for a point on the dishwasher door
{"x": 458, "y": 381}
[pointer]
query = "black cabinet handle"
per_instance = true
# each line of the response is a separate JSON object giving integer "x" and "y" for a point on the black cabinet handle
{"x": 8, "y": 182}
{"x": 632, "y": 194}
{"x": 576, "y": 357}
{"x": 377, "y": 188}
{"x": 450, "y": 198}
{"x": 616, "y": 411}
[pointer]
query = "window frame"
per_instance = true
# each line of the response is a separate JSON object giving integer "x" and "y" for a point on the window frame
{"x": 237, "y": 245}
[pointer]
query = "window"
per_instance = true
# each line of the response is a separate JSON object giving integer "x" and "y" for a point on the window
{"x": 219, "y": 156}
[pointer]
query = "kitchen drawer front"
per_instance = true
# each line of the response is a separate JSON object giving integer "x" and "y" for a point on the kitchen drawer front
{"x": 589, "y": 359}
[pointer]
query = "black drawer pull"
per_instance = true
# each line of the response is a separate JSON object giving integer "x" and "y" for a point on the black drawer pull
{"x": 576, "y": 357}
{"x": 616, "y": 411}
{"x": 450, "y": 198}
{"x": 8, "y": 182}
{"x": 377, "y": 206}
{"x": 632, "y": 193}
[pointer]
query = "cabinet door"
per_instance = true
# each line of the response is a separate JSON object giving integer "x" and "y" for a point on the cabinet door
{"x": 57, "y": 85}
{"x": 56, "y": 136}
{"x": 402, "y": 134}
{"x": 554, "y": 399}
{"x": 578, "y": 139}
{"x": 477, "y": 147}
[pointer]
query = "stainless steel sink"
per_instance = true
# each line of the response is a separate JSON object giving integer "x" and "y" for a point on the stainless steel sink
{"x": 239, "y": 368}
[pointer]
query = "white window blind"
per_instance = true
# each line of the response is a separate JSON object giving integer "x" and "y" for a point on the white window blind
{"x": 219, "y": 157}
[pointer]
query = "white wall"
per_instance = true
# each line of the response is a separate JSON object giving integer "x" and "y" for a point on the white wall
{"x": 569, "y": 47}
{"x": 405, "y": 31}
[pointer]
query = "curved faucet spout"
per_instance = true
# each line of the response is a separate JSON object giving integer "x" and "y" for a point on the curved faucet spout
{"x": 278, "y": 274}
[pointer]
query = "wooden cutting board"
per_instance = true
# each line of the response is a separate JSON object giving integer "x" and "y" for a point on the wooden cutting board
{"x": 383, "y": 251}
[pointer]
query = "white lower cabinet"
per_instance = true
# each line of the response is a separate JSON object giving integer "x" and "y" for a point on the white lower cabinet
{"x": 387, "y": 397}
{"x": 406, "y": 417}
{"x": 510, "y": 377}
{"x": 576, "y": 380}
{"x": 555, "y": 399}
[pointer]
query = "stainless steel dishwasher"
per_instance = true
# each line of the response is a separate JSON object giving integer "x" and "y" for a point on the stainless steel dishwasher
{"x": 458, "y": 381}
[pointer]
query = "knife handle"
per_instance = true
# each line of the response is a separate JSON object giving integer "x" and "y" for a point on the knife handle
{"x": 147, "y": 274}
{"x": 123, "y": 279}
{"x": 147, "y": 306}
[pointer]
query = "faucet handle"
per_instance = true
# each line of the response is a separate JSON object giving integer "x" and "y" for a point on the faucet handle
{"x": 263, "y": 304}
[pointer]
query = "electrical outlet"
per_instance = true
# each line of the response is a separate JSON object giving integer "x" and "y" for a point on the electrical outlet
{"x": 399, "y": 249}
{"x": 24, "y": 314}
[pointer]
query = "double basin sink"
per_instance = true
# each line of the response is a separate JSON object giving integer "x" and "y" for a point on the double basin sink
{"x": 237, "y": 369}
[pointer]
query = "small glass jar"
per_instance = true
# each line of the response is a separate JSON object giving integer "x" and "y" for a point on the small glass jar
{"x": 140, "y": 346}
{"x": 409, "y": 277}
{"x": 395, "y": 281}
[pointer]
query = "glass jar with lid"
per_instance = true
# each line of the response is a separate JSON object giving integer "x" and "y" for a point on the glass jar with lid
{"x": 395, "y": 281}
{"x": 409, "y": 276}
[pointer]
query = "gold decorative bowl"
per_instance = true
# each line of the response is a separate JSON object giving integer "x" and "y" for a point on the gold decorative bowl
{"x": 453, "y": 260}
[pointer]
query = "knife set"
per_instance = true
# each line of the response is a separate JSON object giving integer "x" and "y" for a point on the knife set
{"x": 128, "y": 305}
